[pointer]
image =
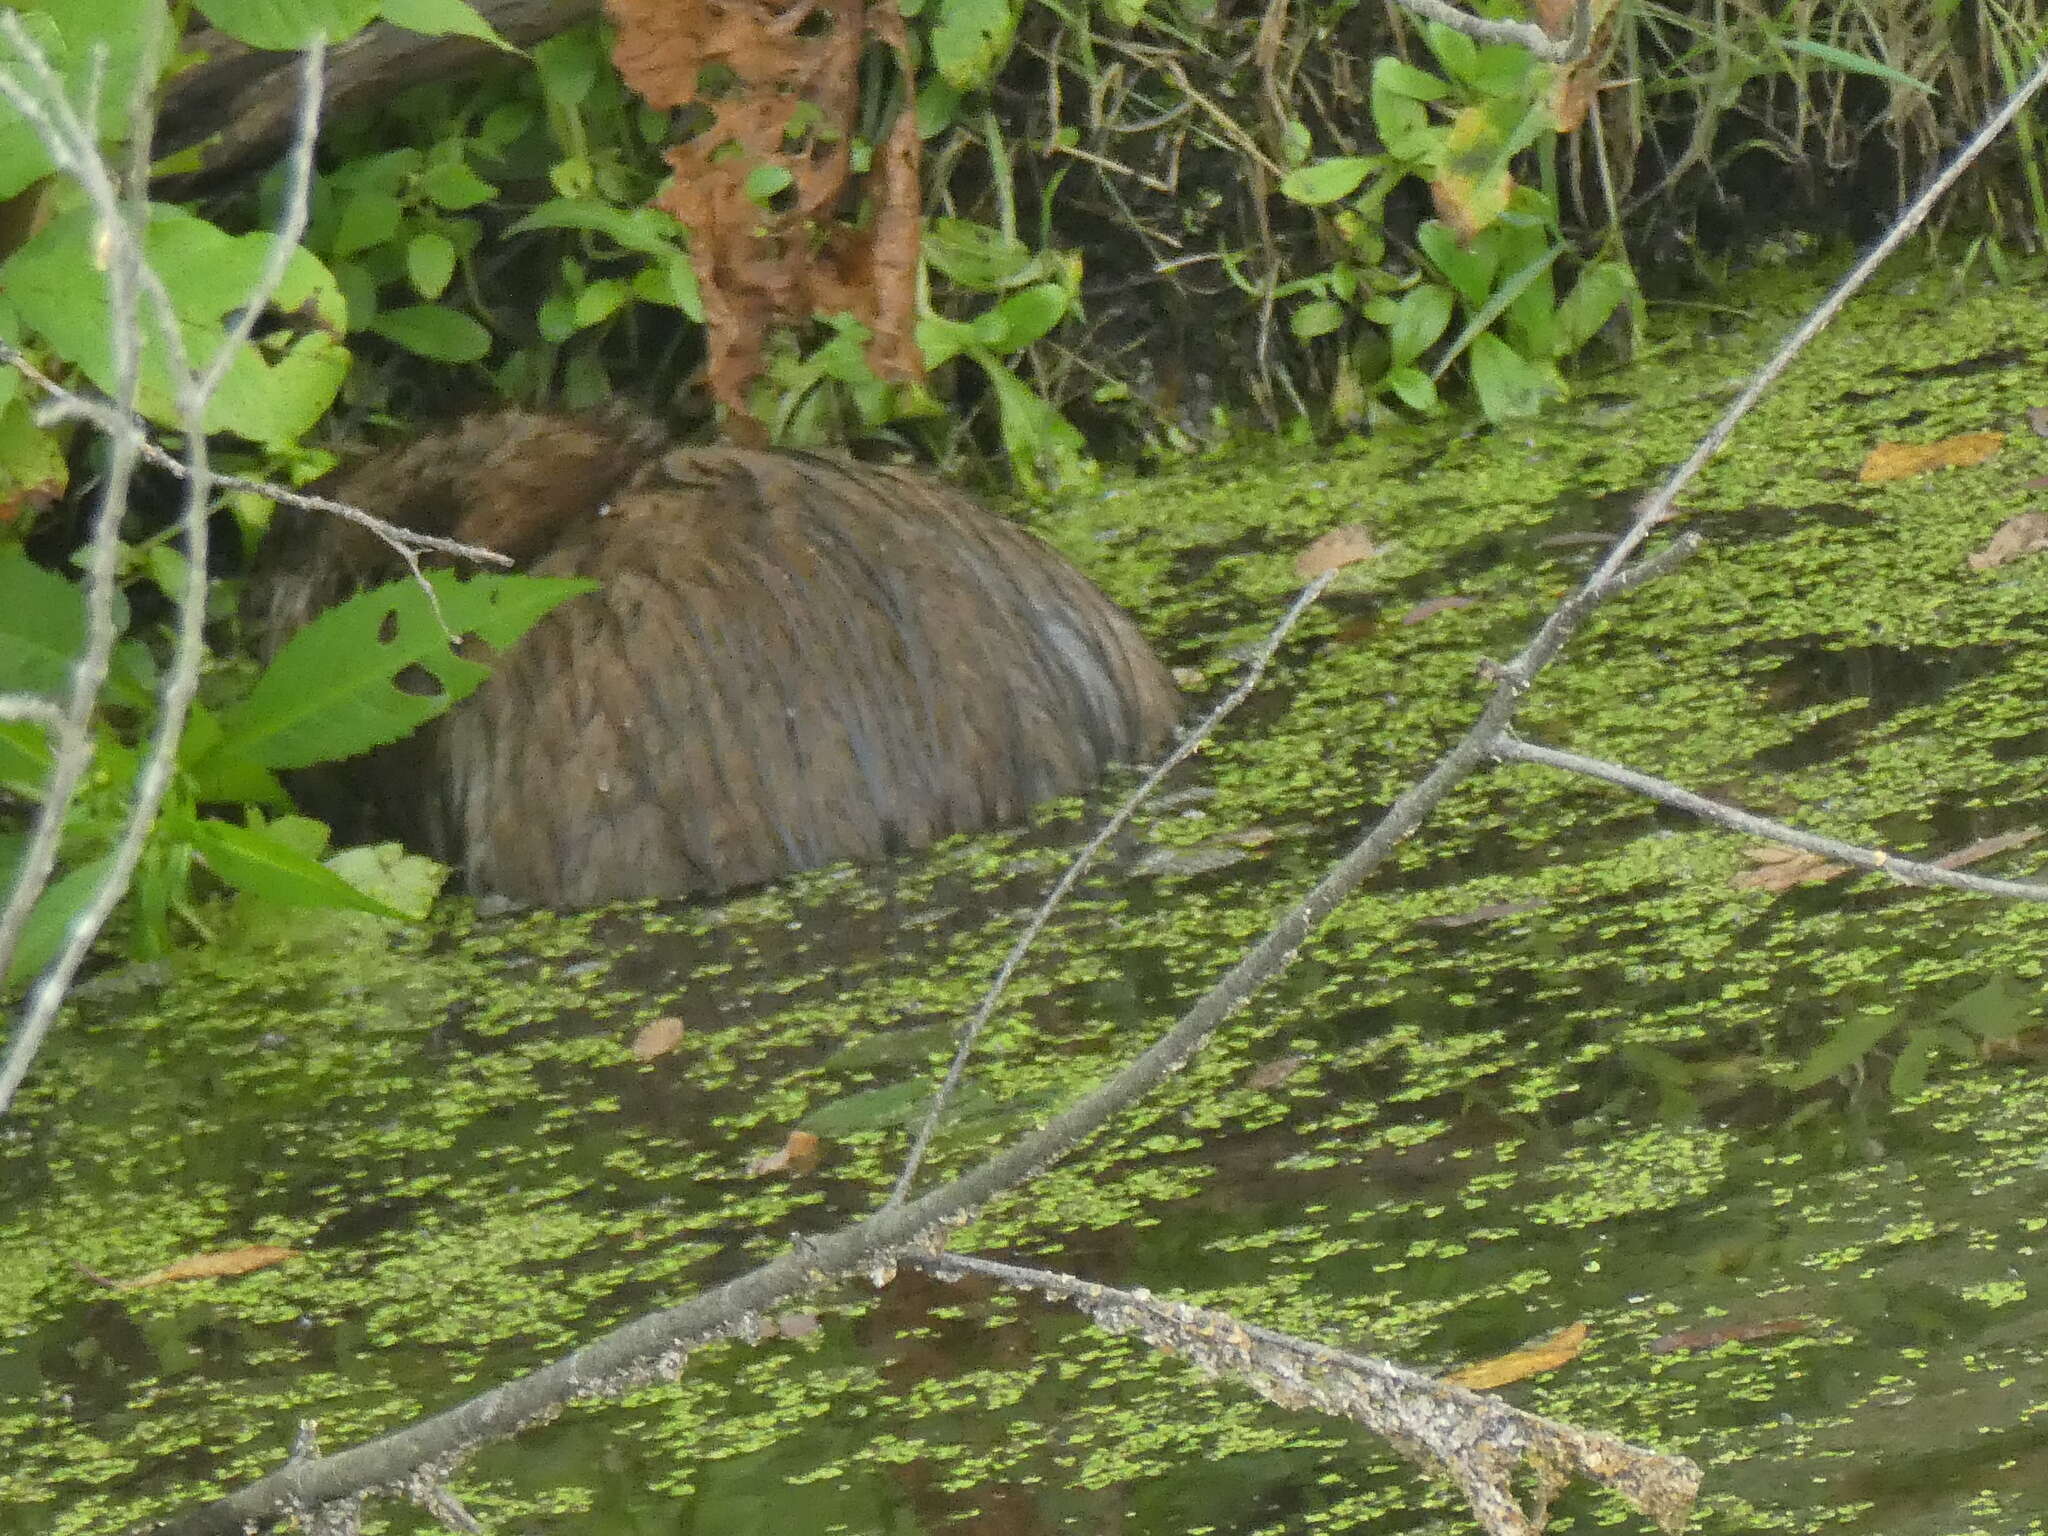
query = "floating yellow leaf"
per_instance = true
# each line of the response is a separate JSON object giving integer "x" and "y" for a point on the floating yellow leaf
{"x": 1895, "y": 461}
{"x": 1561, "y": 1348}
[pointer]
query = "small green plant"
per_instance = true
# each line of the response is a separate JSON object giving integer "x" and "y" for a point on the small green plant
{"x": 1491, "y": 253}
{"x": 353, "y": 679}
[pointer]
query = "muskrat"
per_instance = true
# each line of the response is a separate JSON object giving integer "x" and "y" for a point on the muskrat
{"x": 793, "y": 658}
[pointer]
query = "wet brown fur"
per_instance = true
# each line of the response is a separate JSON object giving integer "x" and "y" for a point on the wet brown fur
{"x": 794, "y": 658}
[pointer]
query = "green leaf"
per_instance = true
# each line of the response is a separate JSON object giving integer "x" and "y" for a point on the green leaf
{"x": 135, "y": 35}
{"x": 270, "y": 393}
{"x": 259, "y": 864}
{"x": 1848, "y": 1042}
{"x": 379, "y": 665}
{"x": 1601, "y": 289}
{"x": 1856, "y": 63}
{"x": 49, "y": 921}
{"x": 429, "y": 330}
{"x": 599, "y": 301}
{"x": 42, "y": 626}
{"x": 1317, "y": 318}
{"x": 368, "y": 218}
{"x": 24, "y": 759}
{"x": 1469, "y": 271}
{"x": 647, "y": 230}
{"x": 1420, "y": 318}
{"x": 1325, "y": 181}
{"x": 975, "y": 255}
{"x": 1029, "y": 314}
{"x": 454, "y": 186}
{"x": 288, "y": 25}
{"x": 1414, "y": 389}
{"x": 568, "y": 64}
{"x": 399, "y": 879}
{"x": 1398, "y": 79}
{"x": 970, "y": 39}
{"x": 1042, "y": 444}
{"x": 442, "y": 18}
{"x": 765, "y": 183}
{"x": 1508, "y": 385}
{"x": 941, "y": 340}
{"x": 429, "y": 262}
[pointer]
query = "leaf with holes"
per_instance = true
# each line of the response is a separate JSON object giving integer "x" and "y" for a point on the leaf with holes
{"x": 380, "y": 665}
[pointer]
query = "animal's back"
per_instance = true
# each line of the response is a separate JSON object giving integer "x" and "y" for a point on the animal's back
{"x": 793, "y": 658}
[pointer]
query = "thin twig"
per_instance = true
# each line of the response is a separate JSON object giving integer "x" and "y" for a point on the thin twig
{"x": 970, "y": 1033}
{"x": 101, "y": 415}
{"x": 124, "y": 223}
{"x": 1513, "y": 749}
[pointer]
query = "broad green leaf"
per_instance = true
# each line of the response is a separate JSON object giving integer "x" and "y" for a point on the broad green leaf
{"x": 288, "y": 25}
{"x": 42, "y": 626}
{"x": 765, "y": 183}
{"x": 454, "y": 186}
{"x": 254, "y": 861}
{"x": 1601, "y": 289}
{"x": 49, "y": 921}
{"x": 599, "y": 301}
{"x": 1469, "y": 271}
{"x": 24, "y": 759}
{"x": 1317, "y": 318}
{"x": 1414, "y": 389}
{"x": 385, "y": 871}
{"x": 1420, "y": 318}
{"x": 135, "y": 35}
{"x": 1029, "y": 314}
{"x": 975, "y": 255}
{"x": 445, "y": 335}
{"x": 442, "y": 18}
{"x": 429, "y": 262}
{"x": 970, "y": 39}
{"x": 269, "y": 394}
{"x": 1327, "y": 180}
{"x": 1508, "y": 385}
{"x": 376, "y": 667}
{"x": 368, "y": 218}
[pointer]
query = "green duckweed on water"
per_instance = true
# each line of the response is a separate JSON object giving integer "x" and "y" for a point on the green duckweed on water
{"x": 1556, "y": 1064}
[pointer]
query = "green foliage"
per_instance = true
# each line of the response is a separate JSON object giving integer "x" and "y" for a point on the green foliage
{"x": 360, "y": 676}
{"x": 1490, "y": 256}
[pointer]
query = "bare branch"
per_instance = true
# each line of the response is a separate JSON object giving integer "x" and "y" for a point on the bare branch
{"x": 1472, "y": 1438}
{"x": 1189, "y": 745}
{"x": 1512, "y": 749}
{"x": 407, "y": 542}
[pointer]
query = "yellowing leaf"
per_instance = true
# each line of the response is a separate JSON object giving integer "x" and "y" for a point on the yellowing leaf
{"x": 1561, "y": 1348}
{"x": 1335, "y": 550}
{"x": 1896, "y": 461}
{"x": 210, "y": 1266}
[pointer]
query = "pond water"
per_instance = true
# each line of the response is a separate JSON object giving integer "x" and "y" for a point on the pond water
{"x": 1784, "y": 1151}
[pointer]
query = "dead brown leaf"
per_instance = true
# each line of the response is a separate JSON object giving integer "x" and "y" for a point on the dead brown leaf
{"x": 1492, "y": 911}
{"x": 1896, "y": 461}
{"x": 1268, "y": 1075}
{"x": 1688, "y": 1340}
{"x": 1429, "y": 608}
{"x": 798, "y": 1154}
{"x": 1779, "y": 869}
{"x": 2026, "y": 534}
{"x": 1561, "y": 1348}
{"x": 1334, "y": 550}
{"x": 773, "y": 96}
{"x": 658, "y": 1038}
{"x": 210, "y": 1266}
{"x": 1985, "y": 847}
